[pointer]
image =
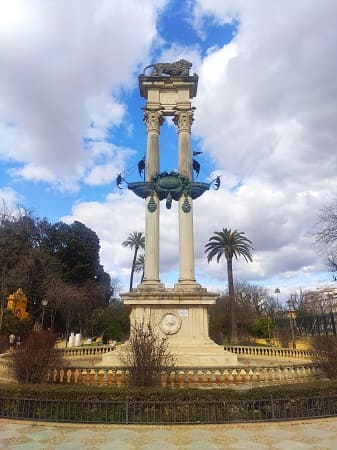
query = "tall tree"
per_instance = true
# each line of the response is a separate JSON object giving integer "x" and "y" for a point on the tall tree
{"x": 135, "y": 241}
{"x": 23, "y": 264}
{"x": 139, "y": 265}
{"x": 77, "y": 247}
{"x": 37, "y": 257}
{"x": 326, "y": 234}
{"x": 229, "y": 243}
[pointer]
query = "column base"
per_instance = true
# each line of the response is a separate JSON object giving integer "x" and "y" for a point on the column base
{"x": 151, "y": 285}
{"x": 187, "y": 285}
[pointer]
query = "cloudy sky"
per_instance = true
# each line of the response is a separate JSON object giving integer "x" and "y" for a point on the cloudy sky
{"x": 71, "y": 120}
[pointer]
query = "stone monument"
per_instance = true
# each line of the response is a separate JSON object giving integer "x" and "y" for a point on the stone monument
{"x": 180, "y": 312}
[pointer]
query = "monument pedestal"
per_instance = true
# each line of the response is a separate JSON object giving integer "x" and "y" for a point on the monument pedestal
{"x": 181, "y": 314}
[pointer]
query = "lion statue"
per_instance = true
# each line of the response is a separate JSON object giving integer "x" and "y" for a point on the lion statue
{"x": 179, "y": 68}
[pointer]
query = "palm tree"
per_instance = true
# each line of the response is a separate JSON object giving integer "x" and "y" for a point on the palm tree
{"x": 139, "y": 265}
{"x": 229, "y": 243}
{"x": 135, "y": 241}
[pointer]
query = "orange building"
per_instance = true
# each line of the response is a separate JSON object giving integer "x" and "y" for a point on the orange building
{"x": 17, "y": 303}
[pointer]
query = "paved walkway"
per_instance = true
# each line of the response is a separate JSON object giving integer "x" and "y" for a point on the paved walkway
{"x": 319, "y": 434}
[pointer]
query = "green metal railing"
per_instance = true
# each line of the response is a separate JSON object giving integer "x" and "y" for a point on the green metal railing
{"x": 169, "y": 412}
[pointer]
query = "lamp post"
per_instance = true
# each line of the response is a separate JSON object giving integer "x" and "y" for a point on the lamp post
{"x": 292, "y": 316}
{"x": 333, "y": 325}
{"x": 277, "y": 291}
{"x": 44, "y": 304}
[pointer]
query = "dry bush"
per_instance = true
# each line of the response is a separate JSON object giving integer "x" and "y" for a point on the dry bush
{"x": 325, "y": 347}
{"x": 3, "y": 344}
{"x": 146, "y": 355}
{"x": 30, "y": 362}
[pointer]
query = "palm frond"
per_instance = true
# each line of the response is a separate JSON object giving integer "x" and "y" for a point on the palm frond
{"x": 135, "y": 240}
{"x": 139, "y": 264}
{"x": 229, "y": 243}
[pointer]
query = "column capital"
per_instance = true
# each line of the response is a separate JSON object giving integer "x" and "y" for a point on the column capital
{"x": 153, "y": 119}
{"x": 183, "y": 119}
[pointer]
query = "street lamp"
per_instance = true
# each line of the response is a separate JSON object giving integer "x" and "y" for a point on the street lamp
{"x": 292, "y": 317}
{"x": 330, "y": 297}
{"x": 277, "y": 291}
{"x": 44, "y": 304}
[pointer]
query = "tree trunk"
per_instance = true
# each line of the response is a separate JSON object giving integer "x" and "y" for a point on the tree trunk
{"x": 234, "y": 328}
{"x": 133, "y": 268}
{"x": 1, "y": 315}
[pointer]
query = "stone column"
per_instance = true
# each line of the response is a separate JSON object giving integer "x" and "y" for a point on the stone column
{"x": 153, "y": 119}
{"x": 183, "y": 119}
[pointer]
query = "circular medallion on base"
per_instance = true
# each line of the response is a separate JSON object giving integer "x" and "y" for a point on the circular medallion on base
{"x": 170, "y": 323}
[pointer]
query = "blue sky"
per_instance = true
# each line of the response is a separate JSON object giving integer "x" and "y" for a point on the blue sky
{"x": 71, "y": 120}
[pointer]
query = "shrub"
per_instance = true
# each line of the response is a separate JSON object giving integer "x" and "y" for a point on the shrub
{"x": 284, "y": 339}
{"x": 12, "y": 324}
{"x": 3, "y": 343}
{"x": 86, "y": 393}
{"x": 146, "y": 355}
{"x": 31, "y": 361}
{"x": 325, "y": 347}
{"x": 114, "y": 332}
{"x": 261, "y": 327}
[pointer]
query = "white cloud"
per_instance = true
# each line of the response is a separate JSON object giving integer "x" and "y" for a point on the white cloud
{"x": 267, "y": 113}
{"x": 63, "y": 65}
{"x": 9, "y": 199}
{"x": 270, "y": 108}
{"x": 104, "y": 112}
{"x": 121, "y": 214}
{"x": 108, "y": 161}
{"x": 266, "y": 116}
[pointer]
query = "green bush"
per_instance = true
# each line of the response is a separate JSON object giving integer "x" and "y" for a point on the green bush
{"x": 114, "y": 332}
{"x": 261, "y": 327}
{"x": 12, "y": 324}
{"x": 92, "y": 393}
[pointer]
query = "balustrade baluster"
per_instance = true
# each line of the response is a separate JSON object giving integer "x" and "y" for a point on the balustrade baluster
{"x": 76, "y": 375}
{"x": 243, "y": 374}
{"x": 92, "y": 374}
{"x": 181, "y": 377}
{"x": 119, "y": 378}
{"x": 190, "y": 374}
{"x": 172, "y": 379}
{"x": 61, "y": 375}
{"x": 200, "y": 377}
{"x": 163, "y": 379}
{"x": 69, "y": 373}
{"x": 110, "y": 377}
{"x": 101, "y": 377}
{"x": 84, "y": 376}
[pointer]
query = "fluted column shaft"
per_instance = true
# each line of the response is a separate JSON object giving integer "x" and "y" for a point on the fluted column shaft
{"x": 183, "y": 119}
{"x": 153, "y": 119}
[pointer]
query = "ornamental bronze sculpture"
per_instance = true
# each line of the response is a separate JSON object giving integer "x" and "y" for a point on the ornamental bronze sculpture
{"x": 169, "y": 186}
{"x": 179, "y": 68}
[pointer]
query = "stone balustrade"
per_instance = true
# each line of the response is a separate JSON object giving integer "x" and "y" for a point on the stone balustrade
{"x": 96, "y": 350}
{"x": 269, "y": 352}
{"x": 244, "y": 351}
{"x": 191, "y": 378}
